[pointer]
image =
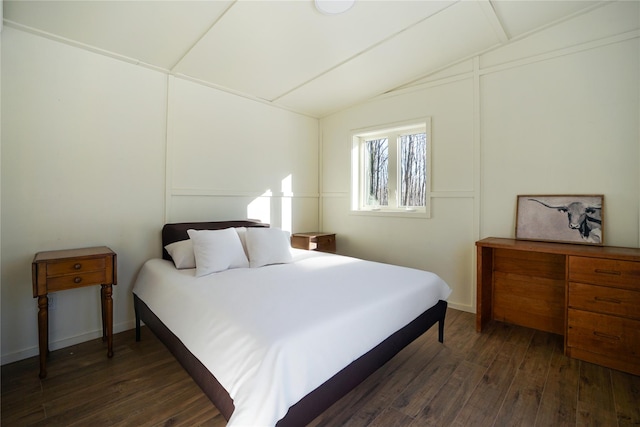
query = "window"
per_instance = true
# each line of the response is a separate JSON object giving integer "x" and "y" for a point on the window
{"x": 390, "y": 170}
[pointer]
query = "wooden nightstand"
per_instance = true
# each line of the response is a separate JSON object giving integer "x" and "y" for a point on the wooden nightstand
{"x": 323, "y": 242}
{"x": 54, "y": 271}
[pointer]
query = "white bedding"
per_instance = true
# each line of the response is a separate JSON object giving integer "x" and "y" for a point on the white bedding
{"x": 273, "y": 334}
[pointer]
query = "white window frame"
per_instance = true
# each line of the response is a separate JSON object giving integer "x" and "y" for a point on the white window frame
{"x": 392, "y": 132}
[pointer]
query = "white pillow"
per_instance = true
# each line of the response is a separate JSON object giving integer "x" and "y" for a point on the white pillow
{"x": 217, "y": 250}
{"x": 242, "y": 233}
{"x": 267, "y": 246}
{"x": 182, "y": 254}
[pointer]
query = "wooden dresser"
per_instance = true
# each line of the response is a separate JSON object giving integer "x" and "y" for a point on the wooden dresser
{"x": 588, "y": 294}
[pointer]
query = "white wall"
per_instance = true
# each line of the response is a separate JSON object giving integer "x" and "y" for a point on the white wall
{"x": 236, "y": 158}
{"x": 573, "y": 133}
{"x": 96, "y": 151}
{"x": 555, "y": 113}
{"x": 82, "y": 165}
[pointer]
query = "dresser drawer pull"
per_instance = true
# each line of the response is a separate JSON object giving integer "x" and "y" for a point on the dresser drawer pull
{"x": 610, "y": 272}
{"x": 611, "y": 300}
{"x": 608, "y": 336}
{"x": 77, "y": 266}
{"x": 77, "y": 280}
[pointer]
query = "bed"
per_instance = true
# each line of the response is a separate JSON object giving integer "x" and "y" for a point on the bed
{"x": 278, "y": 343}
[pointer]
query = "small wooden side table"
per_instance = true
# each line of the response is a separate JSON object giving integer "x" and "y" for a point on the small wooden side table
{"x": 54, "y": 271}
{"x": 323, "y": 242}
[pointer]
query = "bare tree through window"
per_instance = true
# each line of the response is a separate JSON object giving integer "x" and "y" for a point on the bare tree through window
{"x": 413, "y": 149}
{"x": 377, "y": 171}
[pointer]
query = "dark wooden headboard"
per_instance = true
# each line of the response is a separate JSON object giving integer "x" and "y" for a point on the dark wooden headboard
{"x": 178, "y": 231}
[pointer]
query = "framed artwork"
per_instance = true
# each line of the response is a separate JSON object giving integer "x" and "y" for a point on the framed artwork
{"x": 565, "y": 218}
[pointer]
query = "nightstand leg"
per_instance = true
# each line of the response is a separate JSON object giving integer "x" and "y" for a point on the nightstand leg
{"x": 103, "y": 312}
{"x": 107, "y": 318}
{"x": 43, "y": 333}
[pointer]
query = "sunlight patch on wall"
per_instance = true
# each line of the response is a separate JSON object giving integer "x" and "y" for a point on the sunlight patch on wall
{"x": 260, "y": 208}
{"x": 274, "y": 206}
{"x": 286, "y": 205}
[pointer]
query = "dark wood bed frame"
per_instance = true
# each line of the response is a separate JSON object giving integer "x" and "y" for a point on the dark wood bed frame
{"x": 319, "y": 399}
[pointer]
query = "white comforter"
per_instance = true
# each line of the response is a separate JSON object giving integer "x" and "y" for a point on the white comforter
{"x": 273, "y": 334}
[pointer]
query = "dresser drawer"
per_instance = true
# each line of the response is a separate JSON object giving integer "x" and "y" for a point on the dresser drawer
{"x": 603, "y": 299}
{"x": 75, "y": 266}
{"x": 600, "y": 271}
{"x": 69, "y": 281}
{"x": 614, "y": 337}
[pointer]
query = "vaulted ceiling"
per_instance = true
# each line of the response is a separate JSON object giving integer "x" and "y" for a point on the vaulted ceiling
{"x": 286, "y": 52}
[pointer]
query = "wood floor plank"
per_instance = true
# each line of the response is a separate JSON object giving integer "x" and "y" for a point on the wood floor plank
{"x": 626, "y": 395}
{"x": 461, "y": 334}
{"x": 443, "y": 409}
{"x": 482, "y": 406}
{"x": 90, "y": 401}
{"x": 177, "y": 405}
{"x": 559, "y": 402}
{"x": 26, "y": 416}
{"x": 595, "y": 386}
{"x": 484, "y": 350}
{"x": 23, "y": 403}
{"x": 197, "y": 413}
{"x": 391, "y": 417}
{"x": 520, "y": 406}
{"x": 187, "y": 409}
{"x": 427, "y": 383}
{"x": 79, "y": 391}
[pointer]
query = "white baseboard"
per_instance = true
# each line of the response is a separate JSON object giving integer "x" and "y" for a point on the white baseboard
{"x": 462, "y": 307}
{"x": 66, "y": 342}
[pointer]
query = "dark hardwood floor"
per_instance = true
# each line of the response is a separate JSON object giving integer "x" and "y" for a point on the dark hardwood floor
{"x": 506, "y": 376}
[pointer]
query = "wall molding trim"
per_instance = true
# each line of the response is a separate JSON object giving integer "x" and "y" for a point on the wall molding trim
{"x": 83, "y": 46}
{"x": 481, "y": 71}
{"x": 619, "y": 38}
{"x": 446, "y": 194}
{"x": 210, "y": 192}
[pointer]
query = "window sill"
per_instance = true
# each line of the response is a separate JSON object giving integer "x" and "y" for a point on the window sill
{"x": 400, "y": 213}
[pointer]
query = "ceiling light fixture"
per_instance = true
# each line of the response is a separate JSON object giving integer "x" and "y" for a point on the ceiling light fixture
{"x": 334, "y": 7}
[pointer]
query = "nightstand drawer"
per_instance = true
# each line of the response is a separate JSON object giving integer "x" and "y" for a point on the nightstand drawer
{"x": 624, "y": 274}
{"x": 69, "y": 281}
{"x": 324, "y": 242}
{"x": 75, "y": 266}
{"x": 602, "y": 299}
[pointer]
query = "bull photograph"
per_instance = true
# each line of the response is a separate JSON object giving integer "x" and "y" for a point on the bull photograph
{"x": 566, "y": 218}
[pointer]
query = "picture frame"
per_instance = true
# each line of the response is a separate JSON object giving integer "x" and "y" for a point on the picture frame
{"x": 561, "y": 218}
